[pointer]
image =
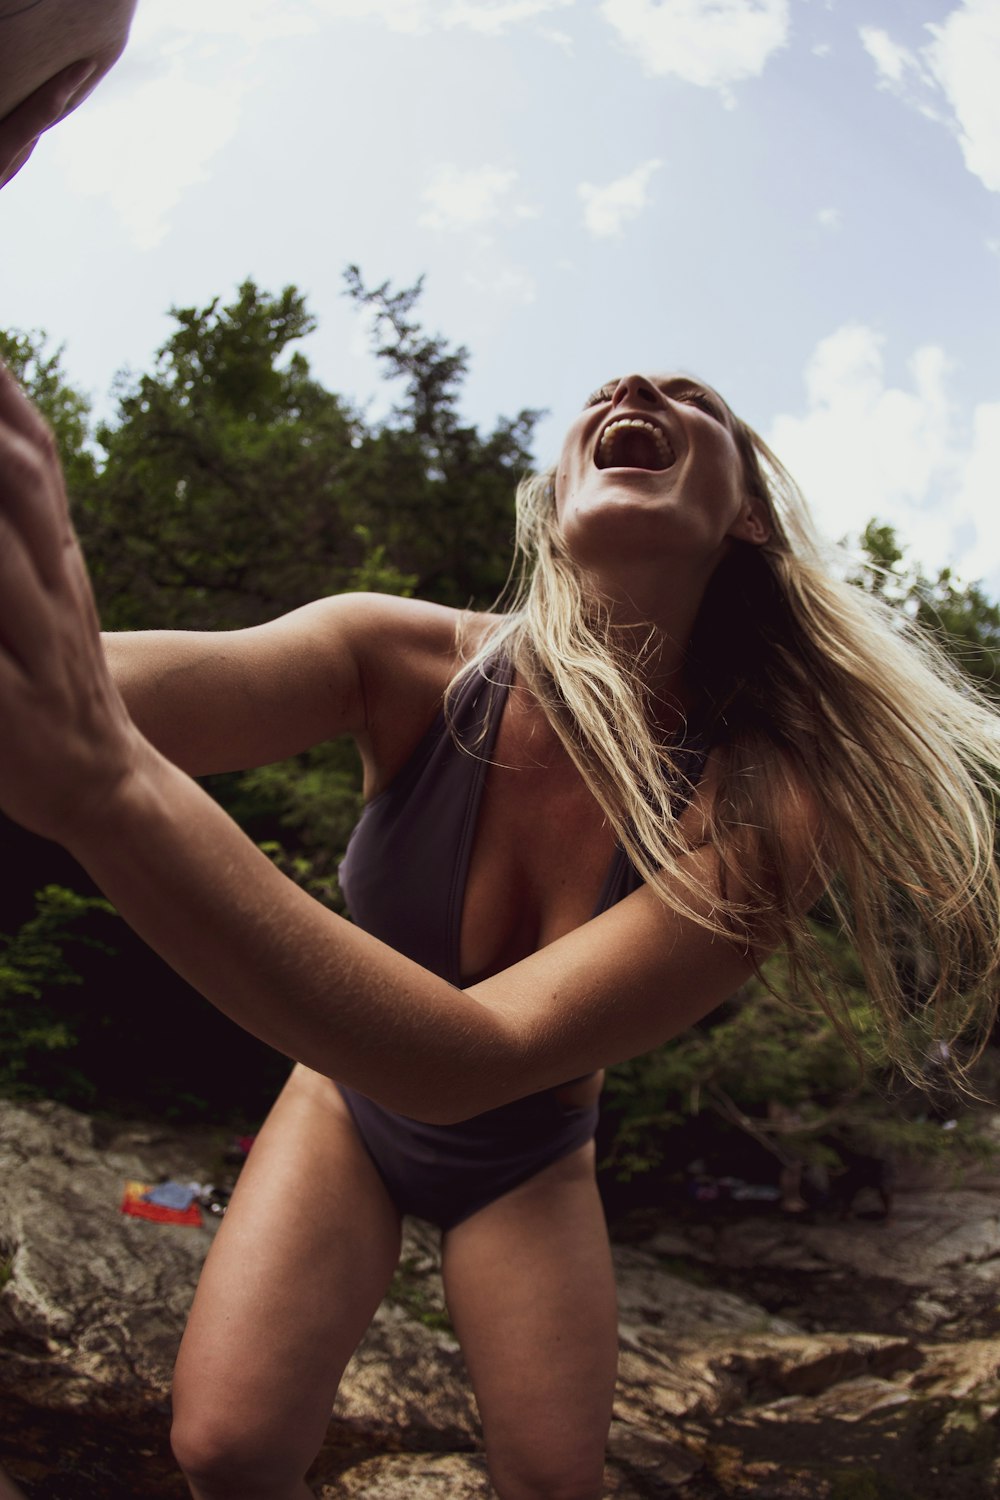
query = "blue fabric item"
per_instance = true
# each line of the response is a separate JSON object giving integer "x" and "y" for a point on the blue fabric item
{"x": 171, "y": 1195}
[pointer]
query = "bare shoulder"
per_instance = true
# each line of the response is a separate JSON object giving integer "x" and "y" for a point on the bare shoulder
{"x": 224, "y": 700}
{"x": 408, "y": 651}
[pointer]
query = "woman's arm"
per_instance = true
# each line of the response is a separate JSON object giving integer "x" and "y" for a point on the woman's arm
{"x": 229, "y": 699}
{"x": 74, "y": 767}
{"x": 326, "y": 993}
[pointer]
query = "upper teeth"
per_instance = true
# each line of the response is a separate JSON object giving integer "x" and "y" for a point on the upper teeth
{"x": 663, "y": 447}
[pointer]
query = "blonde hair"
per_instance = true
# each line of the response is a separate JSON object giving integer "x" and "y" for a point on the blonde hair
{"x": 804, "y": 680}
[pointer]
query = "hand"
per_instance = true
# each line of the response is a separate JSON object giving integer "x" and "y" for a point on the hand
{"x": 20, "y": 130}
{"x": 67, "y": 740}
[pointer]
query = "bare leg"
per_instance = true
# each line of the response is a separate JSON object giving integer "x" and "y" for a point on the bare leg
{"x": 530, "y": 1288}
{"x": 300, "y": 1263}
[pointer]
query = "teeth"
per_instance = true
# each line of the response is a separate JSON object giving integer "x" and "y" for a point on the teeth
{"x": 663, "y": 446}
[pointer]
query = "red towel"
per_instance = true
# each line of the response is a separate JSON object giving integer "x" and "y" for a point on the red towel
{"x": 133, "y": 1204}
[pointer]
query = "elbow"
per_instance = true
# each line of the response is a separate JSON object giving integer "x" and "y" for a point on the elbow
{"x": 445, "y": 1098}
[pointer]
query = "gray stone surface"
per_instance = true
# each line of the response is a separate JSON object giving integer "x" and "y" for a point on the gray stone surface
{"x": 717, "y": 1396}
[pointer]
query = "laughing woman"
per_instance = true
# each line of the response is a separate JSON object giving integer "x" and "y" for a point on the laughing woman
{"x": 588, "y": 819}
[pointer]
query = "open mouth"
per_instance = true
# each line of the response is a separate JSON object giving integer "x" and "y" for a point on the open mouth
{"x": 633, "y": 443}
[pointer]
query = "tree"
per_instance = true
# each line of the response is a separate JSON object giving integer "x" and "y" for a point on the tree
{"x": 66, "y": 409}
{"x": 228, "y": 487}
{"x": 959, "y": 617}
{"x": 33, "y": 964}
{"x": 224, "y": 495}
{"x": 452, "y": 528}
{"x": 234, "y": 487}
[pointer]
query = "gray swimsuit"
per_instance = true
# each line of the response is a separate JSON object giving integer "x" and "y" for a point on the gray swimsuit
{"x": 403, "y": 879}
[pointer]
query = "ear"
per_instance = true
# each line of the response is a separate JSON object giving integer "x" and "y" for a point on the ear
{"x": 751, "y": 526}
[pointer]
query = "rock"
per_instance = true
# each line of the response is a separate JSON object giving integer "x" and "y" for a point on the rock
{"x": 93, "y": 1300}
{"x": 722, "y": 1395}
{"x": 445, "y": 1476}
{"x": 932, "y": 1268}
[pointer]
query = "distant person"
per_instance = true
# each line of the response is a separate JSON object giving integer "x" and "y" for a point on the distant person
{"x": 53, "y": 53}
{"x": 588, "y": 820}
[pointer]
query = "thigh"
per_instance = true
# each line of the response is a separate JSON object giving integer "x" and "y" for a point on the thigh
{"x": 299, "y": 1265}
{"x": 530, "y": 1288}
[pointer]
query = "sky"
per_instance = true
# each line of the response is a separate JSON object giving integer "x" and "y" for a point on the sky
{"x": 797, "y": 200}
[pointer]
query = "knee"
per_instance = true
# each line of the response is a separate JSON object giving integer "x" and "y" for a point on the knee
{"x": 220, "y": 1462}
{"x": 573, "y": 1481}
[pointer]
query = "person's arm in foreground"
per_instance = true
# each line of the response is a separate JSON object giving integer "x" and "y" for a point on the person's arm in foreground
{"x": 73, "y": 767}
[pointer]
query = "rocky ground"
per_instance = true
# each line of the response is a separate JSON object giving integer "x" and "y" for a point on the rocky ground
{"x": 761, "y": 1356}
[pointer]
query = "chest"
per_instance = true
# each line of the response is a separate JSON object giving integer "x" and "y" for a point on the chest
{"x": 475, "y": 857}
{"x": 540, "y": 855}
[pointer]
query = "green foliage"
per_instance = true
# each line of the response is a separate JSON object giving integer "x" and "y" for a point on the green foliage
{"x": 964, "y": 622}
{"x": 453, "y": 531}
{"x": 780, "y": 1076}
{"x": 230, "y": 486}
{"x": 409, "y": 1290}
{"x": 33, "y": 964}
{"x": 225, "y": 492}
{"x": 313, "y": 802}
{"x": 66, "y": 410}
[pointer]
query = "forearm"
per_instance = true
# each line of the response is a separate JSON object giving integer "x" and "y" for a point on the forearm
{"x": 302, "y": 979}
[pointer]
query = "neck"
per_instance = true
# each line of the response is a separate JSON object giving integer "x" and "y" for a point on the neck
{"x": 652, "y": 619}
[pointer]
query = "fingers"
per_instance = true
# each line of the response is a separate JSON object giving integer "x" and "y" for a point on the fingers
{"x": 32, "y": 494}
{"x": 19, "y": 131}
{"x": 35, "y": 527}
{"x": 26, "y": 637}
{"x": 16, "y": 409}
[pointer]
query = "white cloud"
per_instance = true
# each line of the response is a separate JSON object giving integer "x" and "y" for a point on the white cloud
{"x": 119, "y": 149}
{"x": 713, "y": 43}
{"x": 468, "y": 199}
{"x": 607, "y": 209}
{"x": 953, "y": 79}
{"x": 492, "y": 16}
{"x": 965, "y": 59}
{"x": 893, "y": 63}
{"x": 512, "y": 286}
{"x": 251, "y": 21}
{"x": 829, "y": 218}
{"x": 262, "y": 20}
{"x": 865, "y": 448}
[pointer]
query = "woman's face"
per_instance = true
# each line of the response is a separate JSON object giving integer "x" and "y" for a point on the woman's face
{"x": 651, "y": 468}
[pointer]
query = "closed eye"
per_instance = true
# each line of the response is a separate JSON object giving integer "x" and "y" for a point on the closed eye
{"x": 603, "y": 393}
{"x": 692, "y": 396}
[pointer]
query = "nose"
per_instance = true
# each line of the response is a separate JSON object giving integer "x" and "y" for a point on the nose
{"x": 636, "y": 390}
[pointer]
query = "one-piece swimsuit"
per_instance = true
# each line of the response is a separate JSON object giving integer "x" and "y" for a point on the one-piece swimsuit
{"x": 403, "y": 878}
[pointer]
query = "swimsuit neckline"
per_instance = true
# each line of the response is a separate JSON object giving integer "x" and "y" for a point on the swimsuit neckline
{"x": 497, "y": 687}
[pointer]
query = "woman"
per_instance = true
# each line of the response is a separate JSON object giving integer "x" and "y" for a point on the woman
{"x": 679, "y": 678}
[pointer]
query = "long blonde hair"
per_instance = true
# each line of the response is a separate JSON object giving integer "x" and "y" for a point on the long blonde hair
{"x": 803, "y": 678}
